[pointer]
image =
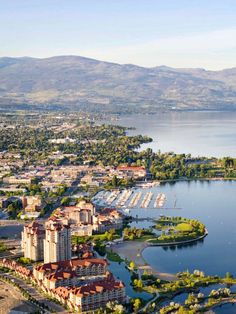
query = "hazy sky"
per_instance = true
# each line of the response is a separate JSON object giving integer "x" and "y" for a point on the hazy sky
{"x": 178, "y": 33}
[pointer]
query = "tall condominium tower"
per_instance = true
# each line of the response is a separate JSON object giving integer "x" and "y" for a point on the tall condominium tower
{"x": 32, "y": 241}
{"x": 57, "y": 242}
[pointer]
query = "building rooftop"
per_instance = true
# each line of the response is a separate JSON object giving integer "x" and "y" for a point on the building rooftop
{"x": 98, "y": 287}
{"x": 70, "y": 265}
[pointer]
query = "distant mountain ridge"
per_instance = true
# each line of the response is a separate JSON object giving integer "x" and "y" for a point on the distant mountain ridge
{"x": 79, "y": 82}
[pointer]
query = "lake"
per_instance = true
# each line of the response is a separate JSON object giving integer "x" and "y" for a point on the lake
{"x": 199, "y": 133}
{"x": 213, "y": 203}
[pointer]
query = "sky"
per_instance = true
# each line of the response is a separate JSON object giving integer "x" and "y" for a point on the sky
{"x": 176, "y": 33}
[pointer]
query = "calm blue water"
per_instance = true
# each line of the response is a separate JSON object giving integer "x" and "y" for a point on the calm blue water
{"x": 122, "y": 273}
{"x": 198, "y": 133}
{"x": 213, "y": 203}
{"x": 225, "y": 309}
{"x": 205, "y": 290}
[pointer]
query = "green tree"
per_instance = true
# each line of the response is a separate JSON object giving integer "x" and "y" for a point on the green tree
{"x": 228, "y": 276}
{"x": 136, "y": 305}
{"x": 132, "y": 265}
{"x": 114, "y": 181}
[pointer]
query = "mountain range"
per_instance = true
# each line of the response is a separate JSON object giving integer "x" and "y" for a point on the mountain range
{"x": 81, "y": 83}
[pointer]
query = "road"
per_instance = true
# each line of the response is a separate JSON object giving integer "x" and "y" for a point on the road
{"x": 35, "y": 294}
{"x": 11, "y": 297}
{"x": 150, "y": 302}
{"x": 70, "y": 191}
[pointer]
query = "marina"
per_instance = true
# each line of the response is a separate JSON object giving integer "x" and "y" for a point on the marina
{"x": 124, "y": 198}
{"x": 134, "y": 198}
{"x": 134, "y": 201}
{"x": 112, "y": 197}
{"x": 160, "y": 200}
{"x": 146, "y": 200}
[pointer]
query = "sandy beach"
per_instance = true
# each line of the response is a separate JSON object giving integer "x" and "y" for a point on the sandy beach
{"x": 132, "y": 251}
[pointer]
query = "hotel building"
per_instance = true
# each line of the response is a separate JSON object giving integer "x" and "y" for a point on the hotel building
{"x": 57, "y": 242}
{"x": 32, "y": 241}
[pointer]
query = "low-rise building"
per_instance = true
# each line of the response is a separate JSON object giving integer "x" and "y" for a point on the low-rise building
{"x": 32, "y": 203}
{"x": 131, "y": 172}
{"x": 96, "y": 295}
{"x": 20, "y": 270}
{"x": 17, "y": 180}
{"x": 108, "y": 218}
{"x": 83, "y": 251}
{"x": 82, "y": 230}
{"x": 78, "y": 215}
{"x": 68, "y": 273}
{"x": 91, "y": 296}
{"x": 82, "y": 285}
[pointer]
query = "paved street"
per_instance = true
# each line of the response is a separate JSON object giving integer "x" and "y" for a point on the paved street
{"x": 35, "y": 294}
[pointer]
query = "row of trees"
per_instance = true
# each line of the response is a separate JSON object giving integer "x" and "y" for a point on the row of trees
{"x": 135, "y": 233}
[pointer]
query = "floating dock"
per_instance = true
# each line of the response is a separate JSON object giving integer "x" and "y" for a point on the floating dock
{"x": 134, "y": 201}
{"x": 160, "y": 200}
{"x": 146, "y": 200}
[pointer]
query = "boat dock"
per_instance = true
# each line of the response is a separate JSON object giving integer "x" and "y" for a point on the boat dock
{"x": 135, "y": 199}
{"x": 146, "y": 200}
{"x": 112, "y": 197}
{"x": 160, "y": 200}
{"x": 124, "y": 198}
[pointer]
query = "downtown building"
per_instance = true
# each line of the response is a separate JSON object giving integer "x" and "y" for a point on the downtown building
{"x": 57, "y": 242}
{"x": 32, "y": 237}
{"x": 50, "y": 242}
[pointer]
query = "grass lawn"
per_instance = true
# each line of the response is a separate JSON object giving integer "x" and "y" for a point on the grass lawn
{"x": 114, "y": 257}
{"x": 184, "y": 227}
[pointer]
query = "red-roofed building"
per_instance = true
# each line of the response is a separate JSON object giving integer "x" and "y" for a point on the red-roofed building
{"x": 21, "y": 270}
{"x": 32, "y": 241}
{"x": 83, "y": 251}
{"x": 96, "y": 295}
{"x": 68, "y": 273}
{"x": 91, "y": 296}
{"x": 131, "y": 172}
{"x": 57, "y": 242}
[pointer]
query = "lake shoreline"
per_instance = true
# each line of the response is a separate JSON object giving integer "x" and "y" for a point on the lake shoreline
{"x": 193, "y": 180}
{"x": 180, "y": 242}
{"x": 132, "y": 250}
